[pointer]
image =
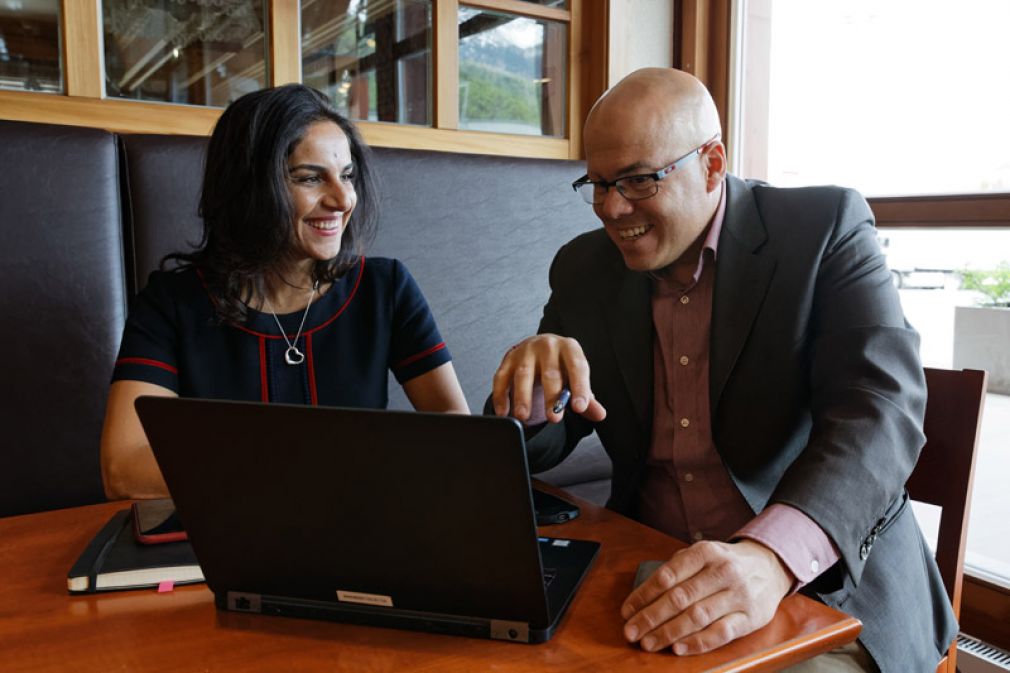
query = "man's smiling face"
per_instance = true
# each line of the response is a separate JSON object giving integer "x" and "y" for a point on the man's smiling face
{"x": 640, "y": 128}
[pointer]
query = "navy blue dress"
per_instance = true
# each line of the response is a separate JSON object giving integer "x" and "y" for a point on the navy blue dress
{"x": 372, "y": 320}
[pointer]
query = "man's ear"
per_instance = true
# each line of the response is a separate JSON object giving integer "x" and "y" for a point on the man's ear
{"x": 715, "y": 166}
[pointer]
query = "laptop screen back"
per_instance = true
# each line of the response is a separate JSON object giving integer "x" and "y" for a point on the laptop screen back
{"x": 429, "y": 512}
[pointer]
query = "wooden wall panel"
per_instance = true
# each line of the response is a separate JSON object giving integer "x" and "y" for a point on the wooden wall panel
{"x": 703, "y": 49}
{"x": 590, "y": 55}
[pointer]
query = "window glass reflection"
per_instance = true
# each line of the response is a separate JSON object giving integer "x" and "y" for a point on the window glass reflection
{"x": 512, "y": 73}
{"x": 372, "y": 58}
{"x": 30, "y": 45}
{"x": 201, "y": 52}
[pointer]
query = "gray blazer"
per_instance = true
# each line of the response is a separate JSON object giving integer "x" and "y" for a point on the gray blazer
{"x": 817, "y": 394}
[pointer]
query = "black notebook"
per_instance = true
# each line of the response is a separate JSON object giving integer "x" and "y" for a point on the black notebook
{"x": 114, "y": 560}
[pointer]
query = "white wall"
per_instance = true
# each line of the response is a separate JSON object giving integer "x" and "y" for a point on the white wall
{"x": 641, "y": 35}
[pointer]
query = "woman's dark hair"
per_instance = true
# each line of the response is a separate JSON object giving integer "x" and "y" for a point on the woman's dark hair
{"x": 245, "y": 203}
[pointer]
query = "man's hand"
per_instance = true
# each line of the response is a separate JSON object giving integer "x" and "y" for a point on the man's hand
{"x": 553, "y": 360}
{"x": 706, "y": 596}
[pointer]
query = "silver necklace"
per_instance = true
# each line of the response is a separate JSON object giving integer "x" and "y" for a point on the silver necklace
{"x": 292, "y": 355}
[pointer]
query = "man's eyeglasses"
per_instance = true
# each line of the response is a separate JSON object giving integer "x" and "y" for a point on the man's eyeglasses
{"x": 635, "y": 187}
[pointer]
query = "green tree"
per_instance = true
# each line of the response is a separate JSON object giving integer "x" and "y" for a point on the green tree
{"x": 497, "y": 95}
{"x": 993, "y": 283}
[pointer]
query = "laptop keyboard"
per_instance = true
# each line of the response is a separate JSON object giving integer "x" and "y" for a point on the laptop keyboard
{"x": 549, "y": 576}
{"x": 546, "y": 544}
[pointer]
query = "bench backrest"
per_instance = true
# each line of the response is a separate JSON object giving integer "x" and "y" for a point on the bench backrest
{"x": 85, "y": 216}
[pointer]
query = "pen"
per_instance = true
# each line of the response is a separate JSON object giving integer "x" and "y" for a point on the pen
{"x": 562, "y": 400}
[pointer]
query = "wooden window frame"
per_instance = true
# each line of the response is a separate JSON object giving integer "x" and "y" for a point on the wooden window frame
{"x": 84, "y": 102}
{"x": 702, "y": 46}
{"x": 953, "y": 210}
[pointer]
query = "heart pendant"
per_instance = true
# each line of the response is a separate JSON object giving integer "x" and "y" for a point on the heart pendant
{"x": 293, "y": 356}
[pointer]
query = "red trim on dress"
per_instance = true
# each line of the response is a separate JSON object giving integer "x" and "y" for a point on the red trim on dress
{"x": 147, "y": 361}
{"x": 414, "y": 358}
{"x": 312, "y": 371}
{"x": 354, "y": 290}
{"x": 264, "y": 389}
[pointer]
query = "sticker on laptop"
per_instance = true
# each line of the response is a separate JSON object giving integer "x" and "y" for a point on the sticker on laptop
{"x": 561, "y": 543}
{"x": 364, "y": 599}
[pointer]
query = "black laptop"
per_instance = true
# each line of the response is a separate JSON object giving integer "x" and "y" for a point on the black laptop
{"x": 388, "y": 518}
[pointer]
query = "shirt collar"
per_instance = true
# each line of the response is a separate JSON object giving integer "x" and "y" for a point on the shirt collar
{"x": 712, "y": 240}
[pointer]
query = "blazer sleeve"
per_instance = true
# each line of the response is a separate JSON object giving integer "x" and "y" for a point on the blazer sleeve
{"x": 867, "y": 392}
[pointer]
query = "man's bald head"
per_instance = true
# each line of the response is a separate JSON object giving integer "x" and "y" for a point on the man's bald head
{"x": 654, "y": 106}
{"x": 657, "y": 128}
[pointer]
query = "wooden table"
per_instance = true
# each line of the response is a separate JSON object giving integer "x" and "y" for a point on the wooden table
{"x": 42, "y": 628}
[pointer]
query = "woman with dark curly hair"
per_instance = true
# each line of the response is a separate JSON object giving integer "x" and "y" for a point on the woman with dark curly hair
{"x": 278, "y": 302}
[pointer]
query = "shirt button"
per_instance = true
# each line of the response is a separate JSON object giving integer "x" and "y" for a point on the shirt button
{"x": 684, "y": 299}
{"x": 690, "y": 477}
{"x": 684, "y": 422}
{"x": 699, "y": 536}
{"x": 684, "y": 359}
{"x": 814, "y": 566}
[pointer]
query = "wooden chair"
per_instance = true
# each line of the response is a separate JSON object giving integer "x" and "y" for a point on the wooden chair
{"x": 943, "y": 476}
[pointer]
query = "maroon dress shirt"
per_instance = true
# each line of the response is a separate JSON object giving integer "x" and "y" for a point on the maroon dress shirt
{"x": 687, "y": 491}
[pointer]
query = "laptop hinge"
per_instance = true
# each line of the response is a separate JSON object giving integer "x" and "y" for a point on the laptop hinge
{"x": 244, "y": 602}
{"x": 505, "y": 630}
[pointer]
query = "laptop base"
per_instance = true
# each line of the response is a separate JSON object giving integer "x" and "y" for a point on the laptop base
{"x": 561, "y": 588}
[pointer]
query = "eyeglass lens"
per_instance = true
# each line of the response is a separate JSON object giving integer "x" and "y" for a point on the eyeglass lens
{"x": 632, "y": 188}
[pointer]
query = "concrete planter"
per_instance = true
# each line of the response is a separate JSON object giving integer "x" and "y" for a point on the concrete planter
{"x": 982, "y": 341}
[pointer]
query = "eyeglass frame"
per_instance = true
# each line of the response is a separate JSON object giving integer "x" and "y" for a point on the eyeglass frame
{"x": 656, "y": 176}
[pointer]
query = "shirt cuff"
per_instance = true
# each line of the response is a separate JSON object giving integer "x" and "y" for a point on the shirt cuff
{"x": 802, "y": 545}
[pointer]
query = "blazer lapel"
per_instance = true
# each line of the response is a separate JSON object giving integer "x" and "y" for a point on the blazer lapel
{"x": 742, "y": 277}
{"x": 629, "y": 320}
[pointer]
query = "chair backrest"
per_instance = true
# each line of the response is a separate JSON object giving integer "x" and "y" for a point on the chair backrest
{"x": 64, "y": 305}
{"x": 946, "y": 468}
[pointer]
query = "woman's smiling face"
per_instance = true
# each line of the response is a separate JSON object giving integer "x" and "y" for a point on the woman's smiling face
{"x": 321, "y": 187}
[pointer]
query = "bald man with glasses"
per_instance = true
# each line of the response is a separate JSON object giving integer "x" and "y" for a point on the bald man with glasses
{"x": 743, "y": 356}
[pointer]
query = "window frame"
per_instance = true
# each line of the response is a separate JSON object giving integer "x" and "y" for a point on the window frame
{"x": 84, "y": 103}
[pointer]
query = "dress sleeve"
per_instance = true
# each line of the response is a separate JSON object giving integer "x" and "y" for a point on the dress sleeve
{"x": 417, "y": 346}
{"x": 148, "y": 350}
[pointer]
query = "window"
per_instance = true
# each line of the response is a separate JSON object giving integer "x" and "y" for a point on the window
{"x": 512, "y": 73}
{"x": 30, "y": 46}
{"x": 896, "y": 98}
{"x": 949, "y": 281}
{"x": 184, "y": 52}
{"x": 906, "y": 101}
{"x": 372, "y": 60}
{"x": 506, "y": 77}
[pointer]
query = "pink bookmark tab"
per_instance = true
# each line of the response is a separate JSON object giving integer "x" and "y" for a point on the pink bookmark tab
{"x": 166, "y": 586}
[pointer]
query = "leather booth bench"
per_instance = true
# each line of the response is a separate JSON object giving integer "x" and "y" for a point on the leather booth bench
{"x": 85, "y": 215}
